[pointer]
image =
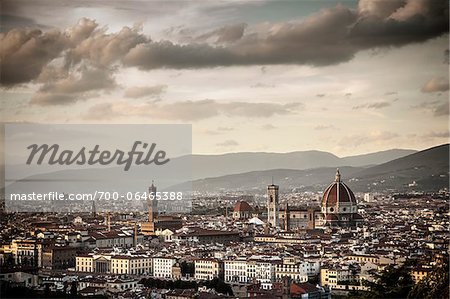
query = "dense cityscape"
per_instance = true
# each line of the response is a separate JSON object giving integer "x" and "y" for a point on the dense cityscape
{"x": 330, "y": 244}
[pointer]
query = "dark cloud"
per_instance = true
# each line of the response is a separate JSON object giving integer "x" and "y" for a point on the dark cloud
{"x": 395, "y": 23}
{"x": 379, "y": 8}
{"x": 73, "y": 88}
{"x": 24, "y": 53}
{"x": 9, "y": 22}
{"x": 332, "y": 36}
{"x": 166, "y": 54}
{"x": 100, "y": 48}
{"x": 319, "y": 40}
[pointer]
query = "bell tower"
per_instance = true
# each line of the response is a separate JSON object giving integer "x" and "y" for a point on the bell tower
{"x": 148, "y": 228}
{"x": 272, "y": 205}
{"x": 152, "y": 203}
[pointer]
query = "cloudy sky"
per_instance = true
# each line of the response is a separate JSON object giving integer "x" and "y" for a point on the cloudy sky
{"x": 347, "y": 77}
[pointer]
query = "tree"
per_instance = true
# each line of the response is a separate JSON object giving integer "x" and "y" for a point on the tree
{"x": 219, "y": 285}
{"x": 187, "y": 268}
{"x": 73, "y": 289}
{"x": 435, "y": 285}
{"x": 393, "y": 282}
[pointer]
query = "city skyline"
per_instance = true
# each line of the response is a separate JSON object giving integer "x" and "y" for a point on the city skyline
{"x": 311, "y": 76}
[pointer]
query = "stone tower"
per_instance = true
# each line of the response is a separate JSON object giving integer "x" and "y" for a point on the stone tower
{"x": 152, "y": 203}
{"x": 272, "y": 205}
{"x": 148, "y": 228}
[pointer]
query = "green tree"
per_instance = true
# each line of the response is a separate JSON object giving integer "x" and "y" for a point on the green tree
{"x": 73, "y": 289}
{"x": 187, "y": 268}
{"x": 219, "y": 285}
{"x": 435, "y": 285}
{"x": 393, "y": 282}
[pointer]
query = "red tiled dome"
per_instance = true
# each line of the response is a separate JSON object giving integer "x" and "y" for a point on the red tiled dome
{"x": 337, "y": 192}
{"x": 242, "y": 206}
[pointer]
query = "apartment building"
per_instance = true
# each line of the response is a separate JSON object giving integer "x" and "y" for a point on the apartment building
{"x": 163, "y": 267}
{"x": 207, "y": 269}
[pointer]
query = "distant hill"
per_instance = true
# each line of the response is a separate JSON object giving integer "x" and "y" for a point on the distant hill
{"x": 376, "y": 158}
{"x": 246, "y": 171}
{"x": 428, "y": 168}
{"x": 287, "y": 179}
{"x": 205, "y": 166}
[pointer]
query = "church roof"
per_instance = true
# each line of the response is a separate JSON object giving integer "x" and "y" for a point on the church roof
{"x": 242, "y": 206}
{"x": 337, "y": 192}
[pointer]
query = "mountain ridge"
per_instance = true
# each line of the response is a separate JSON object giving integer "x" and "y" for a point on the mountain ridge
{"x": 234, "y": 163}
{"x": 428, "y": 167}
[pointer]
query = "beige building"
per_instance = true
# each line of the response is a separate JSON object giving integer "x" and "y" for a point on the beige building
{"x": 235, "y": 271}
{"x": 292, "y": 268}
{"x": 207, "y": 269}
{"x": 114, "y": 264}
{"x": 340, "y": 278}
{"x": 84, "y": 263}
{"x": 26, "y": 252}
{"x": 137, "y": 264}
